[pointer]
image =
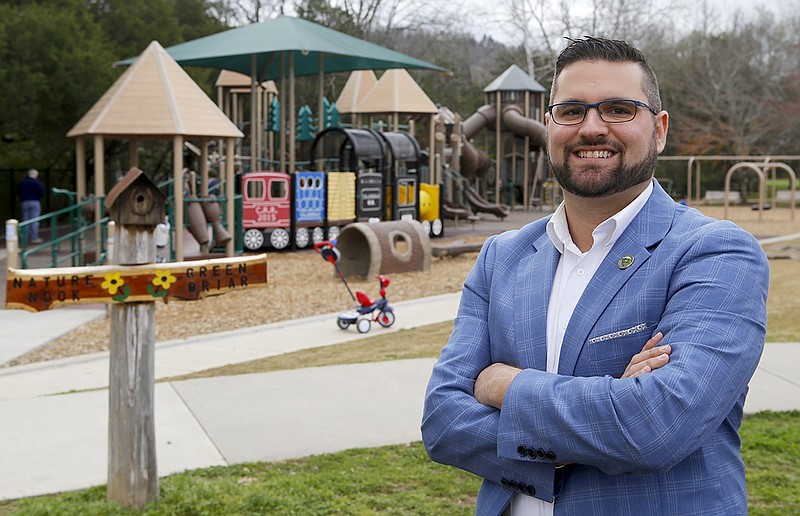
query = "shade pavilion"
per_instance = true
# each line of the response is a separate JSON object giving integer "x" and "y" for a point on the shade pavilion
{"x": 358, "y": 84}
{"x": 155, "y": 99}
{"x": 288, "y": 47}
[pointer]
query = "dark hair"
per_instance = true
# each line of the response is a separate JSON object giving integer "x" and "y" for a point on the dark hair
{"x": 613, "y": 50}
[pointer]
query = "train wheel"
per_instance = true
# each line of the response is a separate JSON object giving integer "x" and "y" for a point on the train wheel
{"x": 301, "y": 237}
{"x": 426, "y": 226}
{"x": 317, "y": 235}
{"x": 279, "y": 238}
{"x": 253, "y": 239}
{"x": 363, "y": 325}
{"x": 436, "y": 227}
{"x": 333, "y": 232}
{"x": 386, "y": 318}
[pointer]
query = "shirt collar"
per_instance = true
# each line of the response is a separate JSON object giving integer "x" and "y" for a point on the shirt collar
{"x": 606, "y": 233}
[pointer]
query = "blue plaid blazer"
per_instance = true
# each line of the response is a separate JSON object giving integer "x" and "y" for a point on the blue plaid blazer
{"x": 664, "y": 443}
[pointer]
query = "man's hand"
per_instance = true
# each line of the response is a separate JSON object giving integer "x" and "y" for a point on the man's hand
{"x": 650, "y": 358}
{"x": 493, "y": 382}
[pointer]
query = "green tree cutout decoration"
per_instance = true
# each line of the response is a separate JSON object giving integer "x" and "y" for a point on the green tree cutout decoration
{"x": 305, "y": 126}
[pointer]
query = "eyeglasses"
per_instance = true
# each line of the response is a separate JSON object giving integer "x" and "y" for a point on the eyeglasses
{"x": 611, "y": 111}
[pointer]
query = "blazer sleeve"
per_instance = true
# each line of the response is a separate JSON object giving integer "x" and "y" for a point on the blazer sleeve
{"x": 456, "y": 429}
{"x": 714, "y": 319}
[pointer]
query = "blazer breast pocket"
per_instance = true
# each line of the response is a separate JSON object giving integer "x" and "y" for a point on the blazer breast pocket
{"x": 611, "y": 351}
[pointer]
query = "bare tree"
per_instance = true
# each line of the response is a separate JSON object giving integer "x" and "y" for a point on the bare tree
{"x": 243, "y": 12}
{"x": 728, "y": 93}
{"x": 382, "y": 19}
{"x": 542, "y": 25}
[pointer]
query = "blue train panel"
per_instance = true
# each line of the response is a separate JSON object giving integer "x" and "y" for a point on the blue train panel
{"x": 309, "y": 196}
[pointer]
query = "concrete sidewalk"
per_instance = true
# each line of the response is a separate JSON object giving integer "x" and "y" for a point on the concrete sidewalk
{"x": 184, "y": 356}
{"x": 54, "y": 443}
{"x": 59, "y": 442}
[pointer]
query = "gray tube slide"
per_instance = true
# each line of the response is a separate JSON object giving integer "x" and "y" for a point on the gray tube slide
{"x": 512, "y": 118}
{"x": 515, "y": 121}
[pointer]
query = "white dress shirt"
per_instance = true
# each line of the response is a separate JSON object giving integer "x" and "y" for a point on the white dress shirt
{"x": 574, "y": 271}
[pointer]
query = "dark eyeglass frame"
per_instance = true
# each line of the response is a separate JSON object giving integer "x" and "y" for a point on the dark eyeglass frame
{"x": 596, "y": 105}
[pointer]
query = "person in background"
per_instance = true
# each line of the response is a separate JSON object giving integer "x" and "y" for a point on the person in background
{"x": 555, "y": 386}
{"x": 31, "y": 191}
{"x": 161, "y": 237}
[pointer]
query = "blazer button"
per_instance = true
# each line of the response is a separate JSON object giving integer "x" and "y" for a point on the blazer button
{"x": 531, "y": 453}
{"x": 513, "y": 485}
{"x": 550, "y": 456}
{"x": 521, "y": 487}
{"x": 521, "y": 450}
{"x": 530, "y": 490}
{"x": 504, "y": 482}
{"x": 540, "y": 453}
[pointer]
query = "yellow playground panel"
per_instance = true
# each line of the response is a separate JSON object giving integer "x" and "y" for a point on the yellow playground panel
{"x": 341, "y": 196}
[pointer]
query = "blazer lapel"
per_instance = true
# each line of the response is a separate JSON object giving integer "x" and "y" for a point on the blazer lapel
{"x": 646, "y": 230}
{"x": 534, "y": 283}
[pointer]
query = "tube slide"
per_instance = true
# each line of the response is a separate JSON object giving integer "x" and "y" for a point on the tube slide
{"x": 475, "y": 162}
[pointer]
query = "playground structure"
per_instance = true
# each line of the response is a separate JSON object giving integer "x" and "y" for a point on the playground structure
{"x": 514, "y": 104}
{"x": 172, "y": 107}
{"x": 760, "y": 165}
{"x": 234, "y": 93}
{"x": 357, "y": 175}
{"x": 351, "y": 173}
{"x": 759, "y": 169}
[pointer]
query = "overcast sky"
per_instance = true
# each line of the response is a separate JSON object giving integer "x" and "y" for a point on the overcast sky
{"x": 725, "y": 10}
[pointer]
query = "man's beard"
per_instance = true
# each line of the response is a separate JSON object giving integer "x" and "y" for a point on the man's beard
{"x": 617, "y": 180}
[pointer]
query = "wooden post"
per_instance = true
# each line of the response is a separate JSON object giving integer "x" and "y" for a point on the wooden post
{"x": 526, "y": 201}
{"x": 136, "y": 206}
{"x": 432, "y": 178}
{"x": 132, "y": 470}
{"x": 253, "y": 113}
{"x": 12, "y": 243}
{"x": 229, "y": 193}
{"x": 292, "y": 139}
{"x": 111, "y": 235}
{"x": 80, "y": 168}
{"x": 99, "y": 190}
{"x": 177, "y": 189}
{"x": 498, "y": 153}
{"x": 282, "y": 138}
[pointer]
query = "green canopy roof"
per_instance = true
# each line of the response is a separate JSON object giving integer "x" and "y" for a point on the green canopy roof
{"x": 234, "y": 49}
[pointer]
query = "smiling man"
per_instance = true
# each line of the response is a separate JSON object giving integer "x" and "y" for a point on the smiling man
{"x": 556, "y": 386}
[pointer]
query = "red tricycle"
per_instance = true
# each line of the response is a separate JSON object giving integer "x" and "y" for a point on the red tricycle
{"x": 365, "y": 310}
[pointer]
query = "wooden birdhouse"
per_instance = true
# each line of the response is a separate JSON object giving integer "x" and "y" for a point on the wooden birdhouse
{"x": 136, "y": 201}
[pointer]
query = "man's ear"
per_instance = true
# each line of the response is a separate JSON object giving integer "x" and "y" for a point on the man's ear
{"x": 662, "y": 127}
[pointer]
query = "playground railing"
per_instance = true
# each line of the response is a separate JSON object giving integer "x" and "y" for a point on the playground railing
{"x": 65, "y": 243}
{"x": 455, "y": 186}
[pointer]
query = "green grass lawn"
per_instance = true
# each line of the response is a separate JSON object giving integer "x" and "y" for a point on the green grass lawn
{"x": 399, "y": 480}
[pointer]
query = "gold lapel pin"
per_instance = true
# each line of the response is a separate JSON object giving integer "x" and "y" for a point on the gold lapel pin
{"x": 625, "y": 262}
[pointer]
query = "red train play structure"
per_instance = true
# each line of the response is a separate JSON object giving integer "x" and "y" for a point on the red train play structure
{"x": 359, "y": 175}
